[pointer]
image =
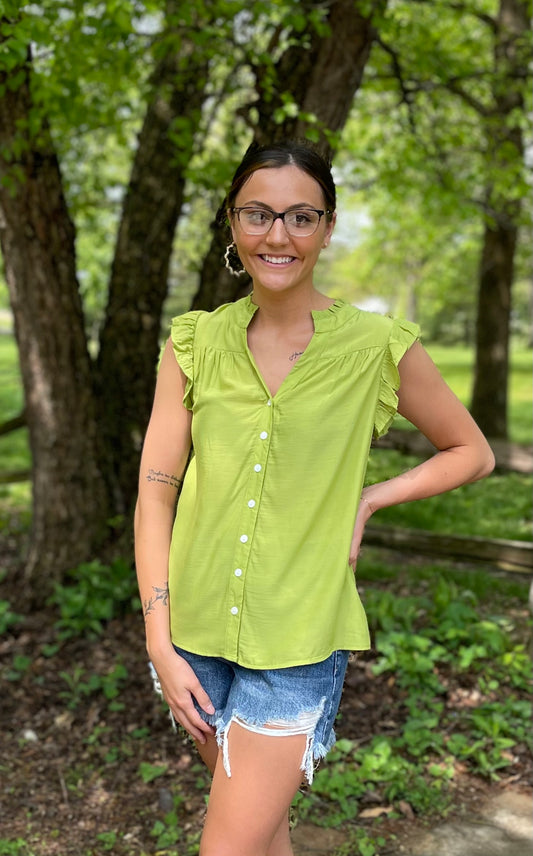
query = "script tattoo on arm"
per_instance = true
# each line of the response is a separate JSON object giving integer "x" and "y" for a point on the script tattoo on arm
{"x": 163, "y": 478}
{"x": 160, "y": 594}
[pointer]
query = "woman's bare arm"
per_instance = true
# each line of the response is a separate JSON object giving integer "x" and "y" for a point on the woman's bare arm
{"x": 163, "y": 462}
{"x": 463, "y": 454}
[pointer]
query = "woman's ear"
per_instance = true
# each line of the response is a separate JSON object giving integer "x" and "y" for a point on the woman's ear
{"x": 230, "y": 217}
{"x": 329, "y": 229}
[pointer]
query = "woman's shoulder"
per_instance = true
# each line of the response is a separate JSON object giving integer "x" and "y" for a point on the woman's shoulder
{"x": 214, "y": 328}
{"x": 367, "y": 329}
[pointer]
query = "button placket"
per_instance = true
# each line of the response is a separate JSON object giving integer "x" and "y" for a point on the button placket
{"x": 251, "y": 503}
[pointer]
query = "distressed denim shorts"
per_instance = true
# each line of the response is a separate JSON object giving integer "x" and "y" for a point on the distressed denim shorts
{"x": 276, "y": 702}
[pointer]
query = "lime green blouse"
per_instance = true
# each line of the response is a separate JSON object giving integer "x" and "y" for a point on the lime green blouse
{"x": 258, "y": 566}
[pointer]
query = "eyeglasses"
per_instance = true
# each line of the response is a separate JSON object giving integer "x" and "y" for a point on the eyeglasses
{"x": 298, "y": 222}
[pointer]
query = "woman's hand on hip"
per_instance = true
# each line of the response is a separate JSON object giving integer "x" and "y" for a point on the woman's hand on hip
{"x": 364, "y": 512}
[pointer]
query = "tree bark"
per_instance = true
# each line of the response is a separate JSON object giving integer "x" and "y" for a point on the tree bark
{"x": 321, "y": 73}
{"x": 38, "y": 244}
{"x": 129, "y": 340}
{"x": 490, "y": 392}
{"x": 505, "y": 156}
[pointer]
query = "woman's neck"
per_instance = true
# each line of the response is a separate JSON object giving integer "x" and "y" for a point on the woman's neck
{"x": 287, "y": 309}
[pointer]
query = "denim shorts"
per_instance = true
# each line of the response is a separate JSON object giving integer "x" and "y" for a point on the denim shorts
{"x": 276, "y": 702}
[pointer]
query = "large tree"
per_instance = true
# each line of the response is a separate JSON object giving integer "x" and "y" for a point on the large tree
{"x": 87, "y": 417}
{"x": 37, "y": 240}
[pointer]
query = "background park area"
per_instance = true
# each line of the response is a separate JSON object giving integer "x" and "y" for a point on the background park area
{"x": 121, "y": 124}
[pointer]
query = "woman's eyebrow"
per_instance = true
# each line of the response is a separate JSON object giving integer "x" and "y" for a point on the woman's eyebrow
{"x": 259, "y": 204}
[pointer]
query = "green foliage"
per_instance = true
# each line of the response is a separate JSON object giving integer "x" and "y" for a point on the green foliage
{"x": 95, "y": 593}
{"x": 362, "y": 843}
{"x": 81, "y": 685}
{"x": 149, "y": 772}
{"x": 20, "y": 665}
{"x": 421, "y": 640}
{"x": 169, "y": 832}
{"x": 351, "y": 772}
{"x": 8, "y": 618}
{"x": 15, "y": 847}
{"x": 418, "y": 160}
{"x": 107, "y": 840}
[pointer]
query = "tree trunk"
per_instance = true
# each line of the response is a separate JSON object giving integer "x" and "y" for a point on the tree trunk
{"x": 505, "y": 157}
{"x": 489, "y": 401}
{"x": 129, "y": 340}
{"x": 321, "y": 74}
{"x": 37, "y": 238}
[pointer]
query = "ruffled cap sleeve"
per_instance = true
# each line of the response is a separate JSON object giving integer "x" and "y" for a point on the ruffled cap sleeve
{"x": 402, "y": 335}
{"x": 182, "y": 333}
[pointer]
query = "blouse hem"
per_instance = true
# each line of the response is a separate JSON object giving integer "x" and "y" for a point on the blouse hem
{"x": 304, "y": 661}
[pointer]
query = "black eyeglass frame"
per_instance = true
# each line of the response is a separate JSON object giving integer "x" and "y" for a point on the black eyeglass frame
{"x": 280, "y": 215}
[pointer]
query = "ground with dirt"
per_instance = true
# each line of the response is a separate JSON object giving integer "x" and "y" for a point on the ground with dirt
{"x": 90, "y": 765}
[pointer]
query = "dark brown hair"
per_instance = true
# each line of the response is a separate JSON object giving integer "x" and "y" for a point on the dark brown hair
{"x": 289, "y": 153}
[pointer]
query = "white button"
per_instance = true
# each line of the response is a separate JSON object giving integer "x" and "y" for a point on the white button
{"x": 234, "y": 610}
{"x": 244, "y": 538}
{"x": 258, "y": 468}
{"x": 263, "y": 435}
{"x": 251, "y": 503}
{"x": 269, "y": 403}
{"x": 238, "y": 572}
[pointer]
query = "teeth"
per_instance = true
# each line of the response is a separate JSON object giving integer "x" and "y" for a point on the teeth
{"x": 278, "y": 260}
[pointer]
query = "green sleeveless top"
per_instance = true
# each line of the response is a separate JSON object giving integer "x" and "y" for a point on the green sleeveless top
{"x": 258, "y": 566}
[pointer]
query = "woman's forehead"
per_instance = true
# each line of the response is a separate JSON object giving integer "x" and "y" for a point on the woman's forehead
{"x": 280, "y": 187}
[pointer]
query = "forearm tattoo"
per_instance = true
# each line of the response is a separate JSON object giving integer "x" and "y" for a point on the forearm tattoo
{"x": 163, "y": 478}
{"x": 160, "y": 594}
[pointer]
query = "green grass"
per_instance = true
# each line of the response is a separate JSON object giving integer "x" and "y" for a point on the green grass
{"x": 492, "y": 591}
{"x": 456, "y": 366}
{"x": 14, "y": 448}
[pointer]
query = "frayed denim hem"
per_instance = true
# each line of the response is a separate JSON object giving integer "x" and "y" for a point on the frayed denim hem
{"x": 305, "y": 723}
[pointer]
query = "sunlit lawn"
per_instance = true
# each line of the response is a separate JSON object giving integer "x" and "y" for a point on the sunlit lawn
{"x": 14, "y": 447}
{"x": 456, "y": 366}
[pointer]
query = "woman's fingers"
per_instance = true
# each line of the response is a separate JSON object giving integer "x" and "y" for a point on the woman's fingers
{"x": 179, "y": 685}
{"x": 202, "y": 698}
{"x": 363, "y": 514}
{"x": 185, "y": 713}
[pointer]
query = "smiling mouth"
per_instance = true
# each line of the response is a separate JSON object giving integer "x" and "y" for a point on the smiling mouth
{"x": 278, "y": 260}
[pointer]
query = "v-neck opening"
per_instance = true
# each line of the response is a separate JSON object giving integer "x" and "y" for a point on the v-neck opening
{"x": 323, "y": 320}
{"x": 273, "y": 395}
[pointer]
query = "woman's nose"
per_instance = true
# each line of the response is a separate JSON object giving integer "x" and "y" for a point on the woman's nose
{"x": 277, "y": 233}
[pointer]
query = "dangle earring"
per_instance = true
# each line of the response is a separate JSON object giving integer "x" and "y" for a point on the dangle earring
{"x": 231, "y": 257}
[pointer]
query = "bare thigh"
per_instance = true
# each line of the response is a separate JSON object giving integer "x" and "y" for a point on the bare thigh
{"x": 248, "y": 811}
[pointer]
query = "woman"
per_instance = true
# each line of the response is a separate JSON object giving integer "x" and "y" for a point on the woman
{"x": 249, "y": 596}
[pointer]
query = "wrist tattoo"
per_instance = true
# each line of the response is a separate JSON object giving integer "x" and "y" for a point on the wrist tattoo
{"x": 163, "y": 478}
{"x": 160, "y": 594}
